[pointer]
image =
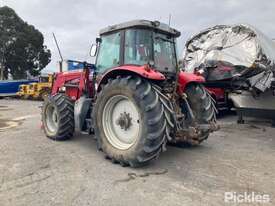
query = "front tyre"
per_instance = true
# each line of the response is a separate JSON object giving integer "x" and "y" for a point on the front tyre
{"x": 129, "y": 121}
{"x": 58, "y": 117}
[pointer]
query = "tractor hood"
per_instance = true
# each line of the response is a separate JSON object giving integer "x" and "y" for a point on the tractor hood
{"x": 226, "y": 51}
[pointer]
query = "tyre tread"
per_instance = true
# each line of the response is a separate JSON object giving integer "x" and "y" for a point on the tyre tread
{"x": 152, "y": 143}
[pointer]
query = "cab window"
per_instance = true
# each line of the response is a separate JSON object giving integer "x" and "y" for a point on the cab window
{"x": 138, "y": 46}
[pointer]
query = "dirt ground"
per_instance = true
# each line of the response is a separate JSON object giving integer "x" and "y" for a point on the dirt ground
{"x": 37, "y": 171}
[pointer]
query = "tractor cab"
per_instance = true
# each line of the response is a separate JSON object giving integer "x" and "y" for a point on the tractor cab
{"x": 137, "y": 43}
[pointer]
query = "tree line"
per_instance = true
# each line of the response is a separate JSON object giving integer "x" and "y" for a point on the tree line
{"x": 22, "y": 49}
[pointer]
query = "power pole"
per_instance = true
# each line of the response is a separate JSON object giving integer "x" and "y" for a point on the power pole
{"x": 59, "y": 51}
{"x": 2, "y": 65}
{"x": 1, "y": 72}
{"x": 2, "y": 62}
{"x": 2, "y": 56}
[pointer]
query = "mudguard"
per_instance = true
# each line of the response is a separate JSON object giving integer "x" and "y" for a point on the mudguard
{"x": 81, "y": 109}
{"x": 143, "y": 71}
{"x": 217, "y": 93}
{"x": 186, "y": 78}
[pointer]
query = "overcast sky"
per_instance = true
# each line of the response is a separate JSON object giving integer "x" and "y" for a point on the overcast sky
{"x": 76, "y": 23}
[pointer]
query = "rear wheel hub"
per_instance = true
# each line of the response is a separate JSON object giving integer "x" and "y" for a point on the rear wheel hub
{"x": 121, "y": 122}
{"x": 124, "y": 121}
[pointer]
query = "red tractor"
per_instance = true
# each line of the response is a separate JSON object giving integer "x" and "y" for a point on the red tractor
{"x": 134, "y": 99}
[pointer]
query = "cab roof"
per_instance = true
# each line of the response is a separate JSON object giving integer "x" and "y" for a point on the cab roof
{"x": 161, "y": 27}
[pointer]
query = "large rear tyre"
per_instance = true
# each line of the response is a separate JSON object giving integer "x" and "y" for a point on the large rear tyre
{"x": 202, "y": 107}
{"x": 58, "y": 117}
{"x": 129, "y": 121}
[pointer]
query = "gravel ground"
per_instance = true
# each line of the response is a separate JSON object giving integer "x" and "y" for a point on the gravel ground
{"x": 37, "y": 171}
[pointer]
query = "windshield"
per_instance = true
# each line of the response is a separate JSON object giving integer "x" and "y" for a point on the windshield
{"x": 108, "y": 56}
{"x": 138, "y": 46}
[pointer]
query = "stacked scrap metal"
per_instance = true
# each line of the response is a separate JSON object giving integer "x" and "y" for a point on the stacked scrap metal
{"x": 225, "y": 52}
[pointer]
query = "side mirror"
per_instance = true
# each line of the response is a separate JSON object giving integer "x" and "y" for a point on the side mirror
{"x": 93, "y": 50}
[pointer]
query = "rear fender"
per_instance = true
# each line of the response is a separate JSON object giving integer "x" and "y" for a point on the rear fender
{"x": 186, "y": 78}
{"x": 143, "y": 71}
{"x": 217, "y": 93}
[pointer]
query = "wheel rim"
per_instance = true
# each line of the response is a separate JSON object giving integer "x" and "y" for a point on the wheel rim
{"x": 121, "y": 122}
{"x": 51, "y": 119}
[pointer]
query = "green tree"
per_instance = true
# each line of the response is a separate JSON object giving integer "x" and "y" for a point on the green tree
{"x": 22, "y": 49}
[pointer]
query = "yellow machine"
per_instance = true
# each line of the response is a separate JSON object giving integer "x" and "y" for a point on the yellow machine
{"x": 23, "y": 91}
{"x": 41, "y": 89}
{"x": 37, "y": 90}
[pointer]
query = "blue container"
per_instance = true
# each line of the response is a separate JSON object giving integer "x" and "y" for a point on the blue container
{"x": 74, "y": 65}
{"x": 10, "y": 87}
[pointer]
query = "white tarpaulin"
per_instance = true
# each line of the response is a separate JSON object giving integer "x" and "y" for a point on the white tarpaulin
{"x": 226, "y": 51}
